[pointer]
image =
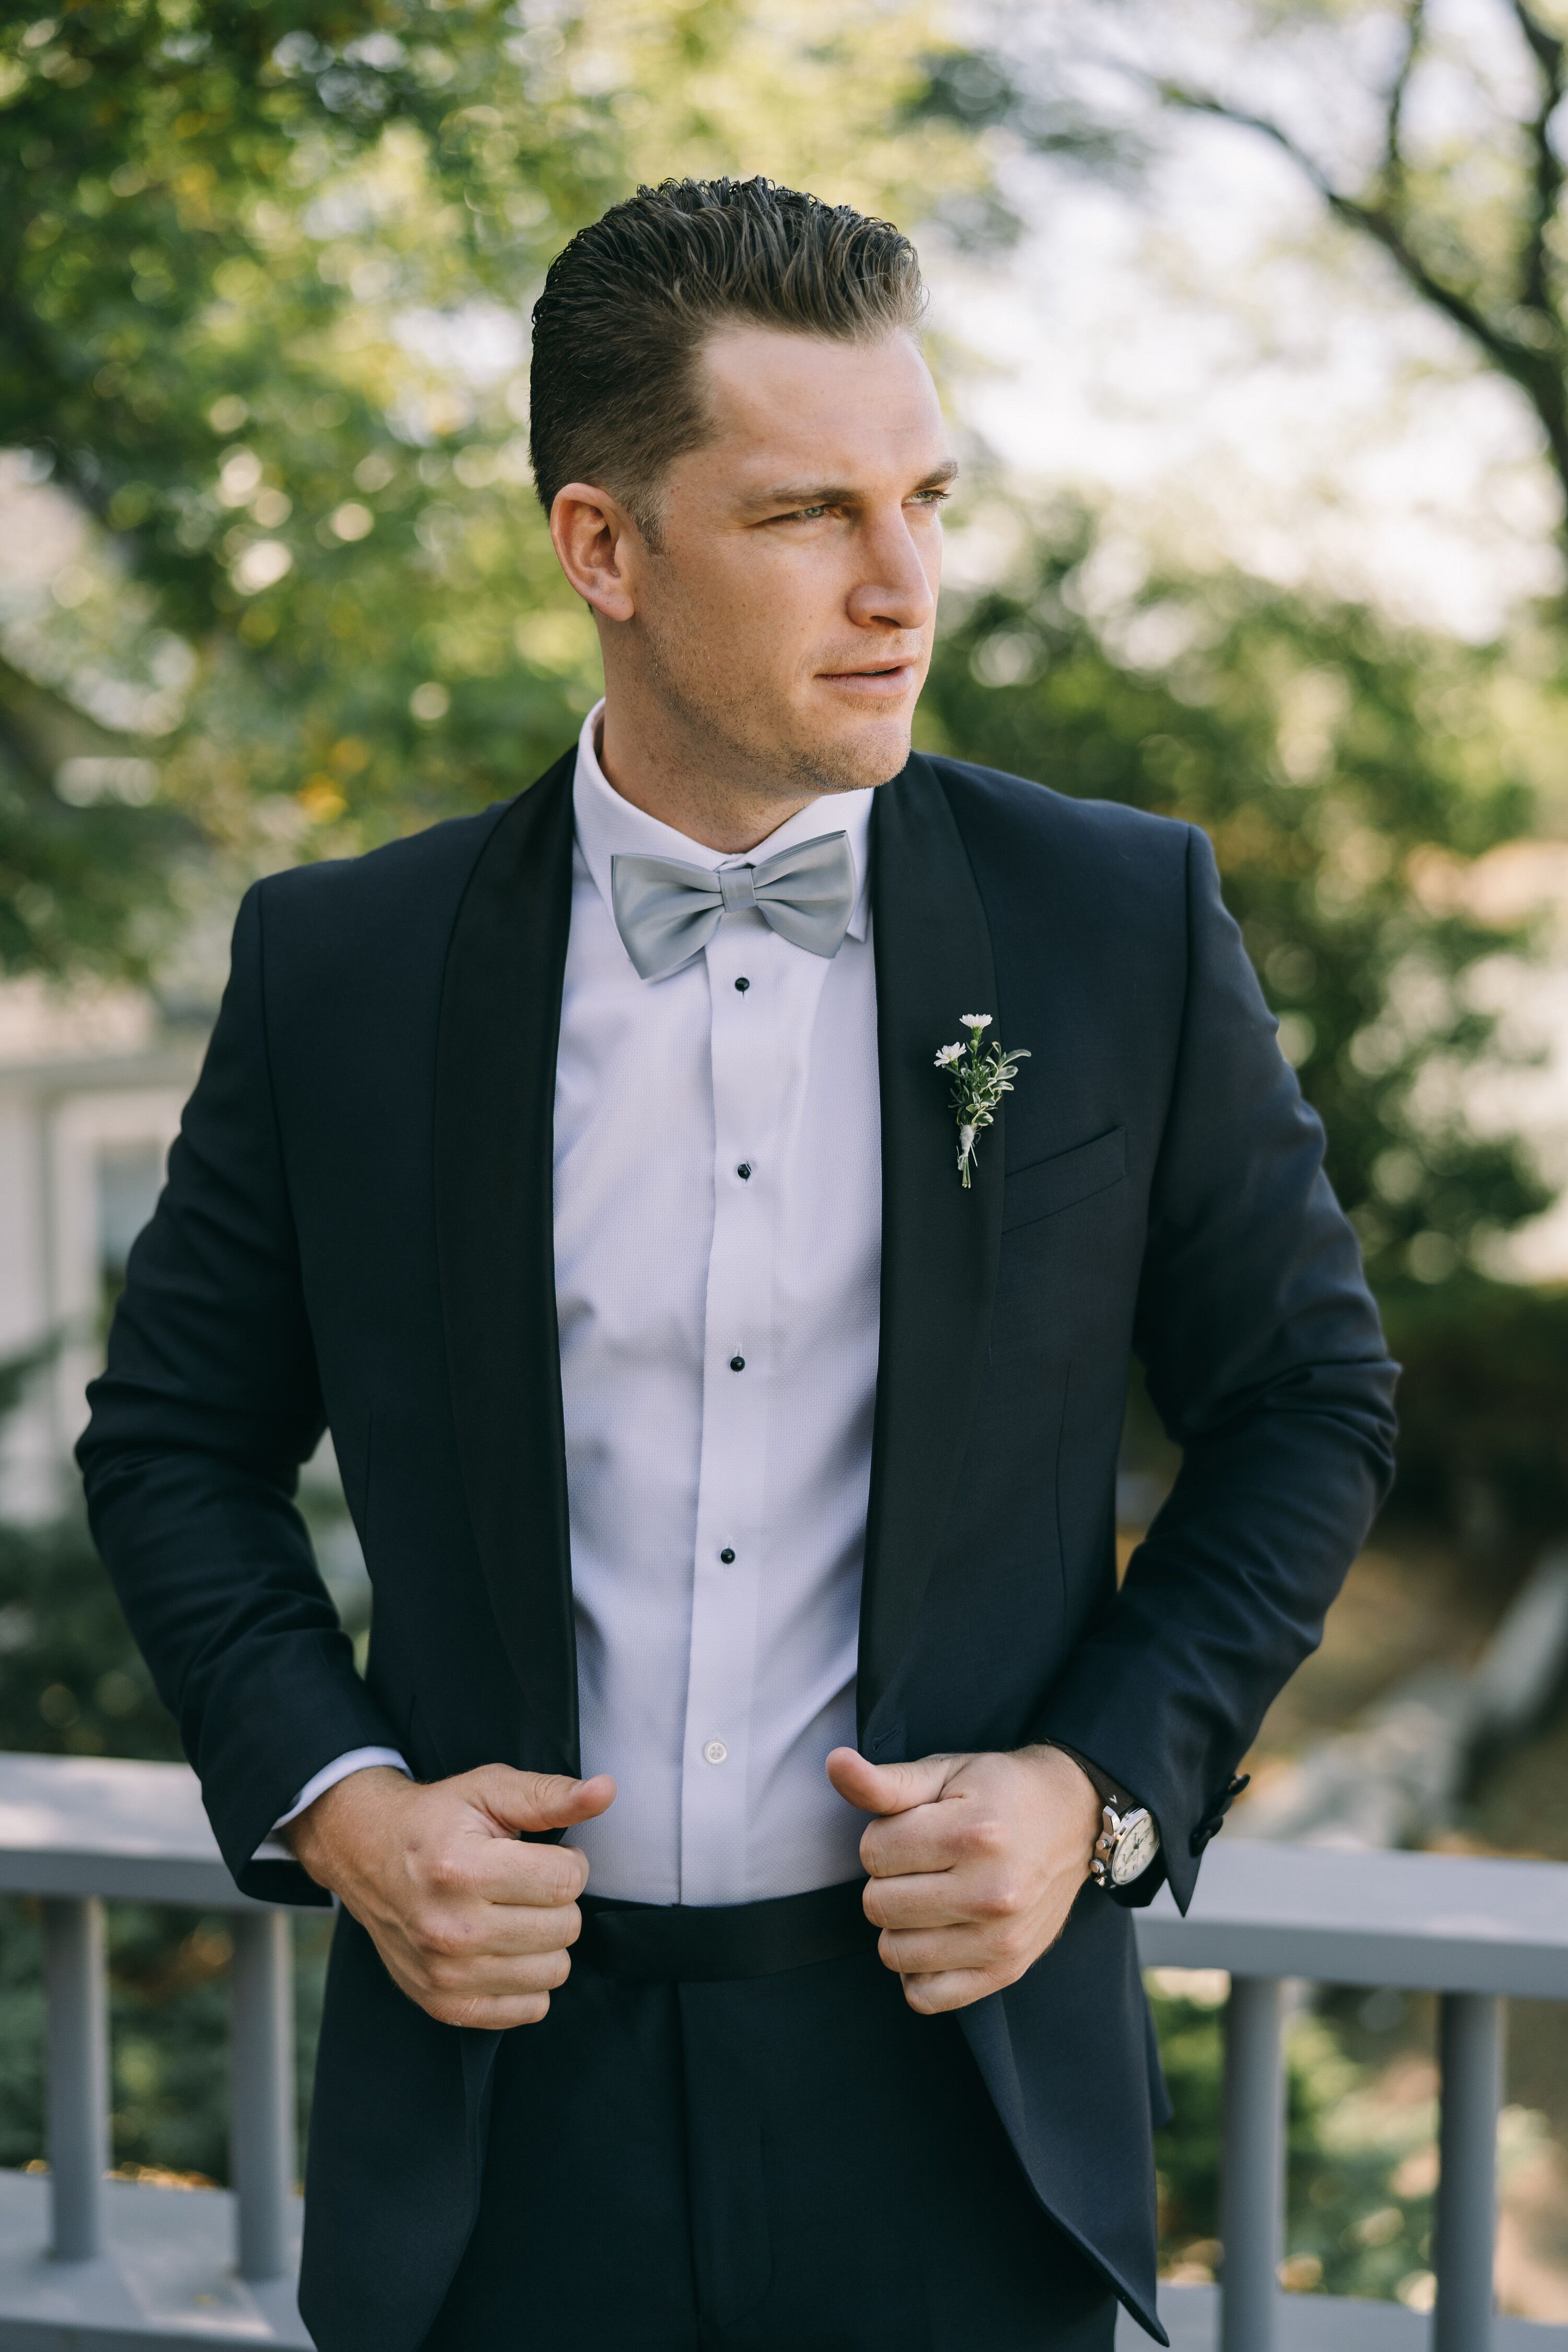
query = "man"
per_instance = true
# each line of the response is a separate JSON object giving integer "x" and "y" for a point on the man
{"x": 735, "y": 1473}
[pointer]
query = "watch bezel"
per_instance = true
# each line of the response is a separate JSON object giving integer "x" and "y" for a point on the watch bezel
{"x": 1139, "y": 1819}
{"x": 1114, "y": 1842}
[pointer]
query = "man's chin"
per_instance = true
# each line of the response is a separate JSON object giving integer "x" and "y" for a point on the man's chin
{"x": 851, "y": 759}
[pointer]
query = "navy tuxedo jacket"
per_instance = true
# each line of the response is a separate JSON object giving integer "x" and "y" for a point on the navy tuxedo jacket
{"x": 357, "y": 1233}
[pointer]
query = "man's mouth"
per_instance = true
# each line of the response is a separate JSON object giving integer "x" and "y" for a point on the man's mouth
{"x": 885, "y": 679}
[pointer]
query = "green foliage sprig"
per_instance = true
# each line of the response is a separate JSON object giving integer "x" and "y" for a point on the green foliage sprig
{"x": 979, "y": 1082}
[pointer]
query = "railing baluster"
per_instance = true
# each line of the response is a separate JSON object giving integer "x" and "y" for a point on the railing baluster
{"x": 1470, "y": 2053}
{"x": 261, "y": 2090}
{"x": 1252, "y": 2179}
{"x": 77, "y": 2123}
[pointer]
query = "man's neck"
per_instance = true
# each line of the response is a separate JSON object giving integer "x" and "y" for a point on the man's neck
{"x": 697, "y": 785}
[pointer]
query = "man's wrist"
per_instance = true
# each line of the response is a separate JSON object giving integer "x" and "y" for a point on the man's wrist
{"x": 1079, "y": 1791}
{"x": 314, "y": 1835}
{"x": 277, "y": 1846}
{"x": 1129, "y": 1836}
{"x": 1107, "y": 1788}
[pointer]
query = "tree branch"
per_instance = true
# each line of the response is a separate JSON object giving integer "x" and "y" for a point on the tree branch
{"x": 1536, "y": 371}
{"x": 1535, "y": 287}
{"x": 1393, "y": 121}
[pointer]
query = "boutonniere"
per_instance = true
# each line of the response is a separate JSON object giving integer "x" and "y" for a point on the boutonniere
{"x": 979, "y": 1082}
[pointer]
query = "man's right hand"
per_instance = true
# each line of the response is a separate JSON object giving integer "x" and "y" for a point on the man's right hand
{"x": 472, "y": 1925}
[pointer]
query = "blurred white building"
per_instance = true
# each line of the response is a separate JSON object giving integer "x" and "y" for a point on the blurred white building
{"x": 91, "y": 1086}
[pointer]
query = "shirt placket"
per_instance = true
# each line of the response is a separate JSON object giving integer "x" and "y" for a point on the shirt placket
{"x": 748, "y": 987}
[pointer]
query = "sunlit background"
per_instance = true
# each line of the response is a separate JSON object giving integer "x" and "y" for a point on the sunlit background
{"x": 1251, "y": 319}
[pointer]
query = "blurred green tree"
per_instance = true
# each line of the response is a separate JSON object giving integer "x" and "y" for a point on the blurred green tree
{"x": 265, "y": 277}
{"x": 1341, "y": 768}
{"x": 1358, "y": 2211}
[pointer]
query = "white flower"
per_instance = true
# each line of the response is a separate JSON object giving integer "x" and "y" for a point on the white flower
{"x": 946, "y": 1053}
{"x": 975, "y": 1019}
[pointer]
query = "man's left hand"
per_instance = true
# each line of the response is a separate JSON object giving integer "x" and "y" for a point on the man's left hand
{"x": 974, "y": 1861}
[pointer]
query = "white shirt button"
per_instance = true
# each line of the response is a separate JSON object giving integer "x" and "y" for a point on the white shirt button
{"x": 714, "y": 1752}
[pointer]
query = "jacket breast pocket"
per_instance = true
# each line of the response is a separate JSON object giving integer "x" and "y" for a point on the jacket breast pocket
{"x": 1060, "y": 1182}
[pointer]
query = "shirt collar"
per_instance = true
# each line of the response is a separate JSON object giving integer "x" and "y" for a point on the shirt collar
{"x": 607, "y": 826}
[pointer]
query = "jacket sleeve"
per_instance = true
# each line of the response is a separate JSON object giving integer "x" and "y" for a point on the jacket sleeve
{"x": 208, "y": 1406}
{"x": 1266, "y": 1364}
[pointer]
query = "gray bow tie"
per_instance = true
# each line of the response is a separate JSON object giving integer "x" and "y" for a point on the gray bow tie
{"x": 666, "y": 912}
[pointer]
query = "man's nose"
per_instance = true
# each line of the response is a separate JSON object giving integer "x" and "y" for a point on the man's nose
{"x": 895, "y": 588}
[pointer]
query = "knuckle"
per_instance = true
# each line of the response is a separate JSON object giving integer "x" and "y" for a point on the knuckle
{"x": 446, "y": 1873}
{"x": 999, "y": 1899}
{"x": 441, "y": 1937}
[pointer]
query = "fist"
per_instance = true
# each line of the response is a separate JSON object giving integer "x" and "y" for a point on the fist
{"x": 471, "y": 1924}
{"x": 974, "y": 1862}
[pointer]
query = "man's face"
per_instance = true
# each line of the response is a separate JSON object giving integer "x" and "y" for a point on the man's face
{"x": 787, "y": 611}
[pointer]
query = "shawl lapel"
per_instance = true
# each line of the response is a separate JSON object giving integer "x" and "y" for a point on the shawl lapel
{"x": 940, "y": 1244}
{"x": 495, "y": 1099}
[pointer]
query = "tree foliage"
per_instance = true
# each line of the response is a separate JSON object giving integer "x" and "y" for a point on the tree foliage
{"x": 265, "y": 277}
{"x": 1336, "y": 762}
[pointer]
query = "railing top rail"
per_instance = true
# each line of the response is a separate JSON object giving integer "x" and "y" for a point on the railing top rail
{"x": 79, "y": 1825}
{"x": 1427, "y": 1922}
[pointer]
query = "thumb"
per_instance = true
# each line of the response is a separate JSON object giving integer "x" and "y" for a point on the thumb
{"x": 542, "y": 1800}
{"x": 887, "y": 1788}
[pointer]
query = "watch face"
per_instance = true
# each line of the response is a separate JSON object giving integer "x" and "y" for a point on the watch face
{"x": 1135, "y": 1849}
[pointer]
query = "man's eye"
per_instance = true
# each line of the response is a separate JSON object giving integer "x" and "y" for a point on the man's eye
{"x": 806, "y": 514}
{"x": 931, "y": 498}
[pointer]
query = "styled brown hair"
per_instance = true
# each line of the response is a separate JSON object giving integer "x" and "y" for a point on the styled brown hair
{"x": 617, "y": 395}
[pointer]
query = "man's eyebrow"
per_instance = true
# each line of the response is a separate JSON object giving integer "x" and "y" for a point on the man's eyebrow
{"x": 791, "y": 495}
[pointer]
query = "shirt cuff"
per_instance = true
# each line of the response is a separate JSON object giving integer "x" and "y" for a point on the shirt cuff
{"x": 358, "y": 1759}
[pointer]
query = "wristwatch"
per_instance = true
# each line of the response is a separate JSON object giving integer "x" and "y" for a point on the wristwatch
{"x": 1129, "y": 1834}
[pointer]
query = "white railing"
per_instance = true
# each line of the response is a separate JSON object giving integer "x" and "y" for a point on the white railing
{"x": 111, "y": 2264}
{"x": 1474, "y": 1931}
{"x": 78, "y": 1833}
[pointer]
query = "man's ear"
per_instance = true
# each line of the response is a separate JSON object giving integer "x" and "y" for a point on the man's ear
{"x": 596, "y": 545}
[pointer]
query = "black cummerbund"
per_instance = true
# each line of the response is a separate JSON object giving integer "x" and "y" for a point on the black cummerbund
{"x": 691, "y": 1943}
